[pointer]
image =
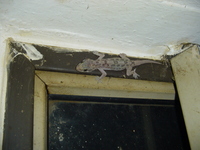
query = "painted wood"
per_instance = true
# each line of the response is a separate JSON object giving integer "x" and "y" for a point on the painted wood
{"x": 18, "y": 127}
{"x": 74, "y": 84}
{"x": 66, "y": 59}
{"x": 186, "y": 68}
{"x": 40, "y": 116}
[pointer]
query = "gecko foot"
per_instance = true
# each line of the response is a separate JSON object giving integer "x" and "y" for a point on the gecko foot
{"x": 135, "y": 75}
{"x": 98, "y": 54}
{"x": 95, "y": 52}
{"x": 98, "y": 79}
{"x": 122, "y": 55}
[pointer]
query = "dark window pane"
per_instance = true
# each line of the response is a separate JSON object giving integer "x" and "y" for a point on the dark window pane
{"x": 76, "y": 125}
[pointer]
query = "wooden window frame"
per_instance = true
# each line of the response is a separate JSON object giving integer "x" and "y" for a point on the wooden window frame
{"x": 24, "y": 98}
{"x": 85, "y": 85}
{"x": 186, "y": 69}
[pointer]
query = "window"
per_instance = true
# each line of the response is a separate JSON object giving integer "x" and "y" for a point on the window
{"x": 26, "y": 114}
{"x": 83, "y": 92}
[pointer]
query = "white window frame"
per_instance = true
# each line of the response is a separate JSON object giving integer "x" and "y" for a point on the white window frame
{"x": 186, "y": 69}
{"x": 86, "y": 85}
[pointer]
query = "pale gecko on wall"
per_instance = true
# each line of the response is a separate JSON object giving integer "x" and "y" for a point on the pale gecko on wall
{"x": 115, "y": 64}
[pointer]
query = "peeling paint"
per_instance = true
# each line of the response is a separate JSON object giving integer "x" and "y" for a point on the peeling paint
{"x": 31, "y": 52}
{"x": 16, "y": 53}
{"x": 64, "y": 50}
{"x": 179, "y": 48}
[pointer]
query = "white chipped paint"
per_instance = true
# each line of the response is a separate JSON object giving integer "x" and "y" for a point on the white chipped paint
{"x": 179, "y": 48}
{"x": 31, "y": 52}
{"x": 176, "y": 49}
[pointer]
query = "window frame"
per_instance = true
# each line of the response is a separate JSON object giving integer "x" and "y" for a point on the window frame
{"x": 186, "y": 68}
{"x": 24, "y": 132}
{"x": 86, "y": 85}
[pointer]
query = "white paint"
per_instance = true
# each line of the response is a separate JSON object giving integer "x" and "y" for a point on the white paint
{"x": 31, "y": 52}
{"x": 139, "y": 28}
{"x": 3, "y": 82}
{"x": 176, "y": 49}
{"x": 40, "y": 116}
{"x": 186, "y": 69}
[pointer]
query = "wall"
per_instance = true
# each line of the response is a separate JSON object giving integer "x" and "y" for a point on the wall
{"x": 138, "y": 28}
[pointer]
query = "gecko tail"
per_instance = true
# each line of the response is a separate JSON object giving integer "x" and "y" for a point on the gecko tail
{"x": 141, "y": 62}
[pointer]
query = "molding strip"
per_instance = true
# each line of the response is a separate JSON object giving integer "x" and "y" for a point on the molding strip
{"x": 86, "y": 85}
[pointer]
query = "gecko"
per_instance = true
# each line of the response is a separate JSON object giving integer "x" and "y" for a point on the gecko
{"x": 115, "y": 64}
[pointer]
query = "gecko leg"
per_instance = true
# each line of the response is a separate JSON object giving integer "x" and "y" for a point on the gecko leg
{"x": 98, "y": 54}
{"x": 123, "y": 56}
{"x": 102, "y": 75}
{"x": 129, "y": 72}
{"x": 135, "y": 75}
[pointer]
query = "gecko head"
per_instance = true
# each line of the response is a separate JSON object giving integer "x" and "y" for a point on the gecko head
{"x": 85, "y": 66}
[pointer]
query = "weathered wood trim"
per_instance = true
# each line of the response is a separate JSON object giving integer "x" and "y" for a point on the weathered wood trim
{"x": 186, "y": 69}
{"x": 40, "y": 116}
{"x": 86, "y": 85}
{"x": 18, "y": 125}
{"x": 66, "y": 59}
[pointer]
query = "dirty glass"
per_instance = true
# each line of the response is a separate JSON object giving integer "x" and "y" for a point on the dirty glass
{"x": 96, "y": 123}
